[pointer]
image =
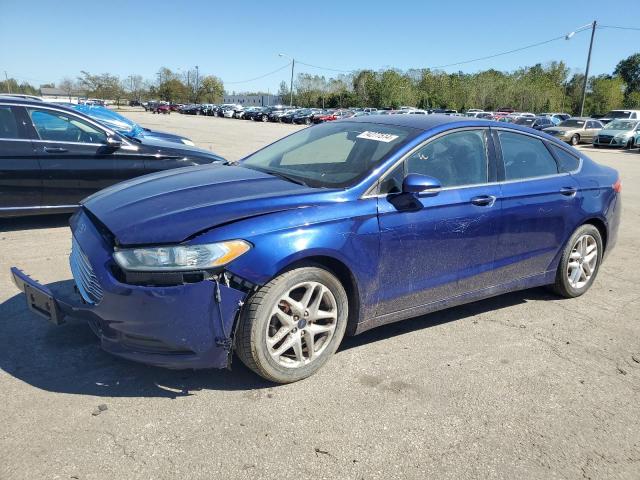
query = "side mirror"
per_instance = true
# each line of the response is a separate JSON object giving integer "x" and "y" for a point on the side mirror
{"x": 422, "y": 184}
{"x": 114, "y": 143}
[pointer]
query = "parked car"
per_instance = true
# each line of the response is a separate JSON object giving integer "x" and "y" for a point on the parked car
{"x": 288, "y": 116}
{"x": 125, "y": 126}
{"x": 279, "y": 256}
{"x": 619, "y": 133}
{"x": 53, "y": 157}
{"x": 228, "y": 112}
{"x": 161, "y": 108}
{"x": 621, "y": 114}
{"x": 262, "y": 115}
{"x": 576, "y": 130}
{"x": 537, "y": 123}
{"x": 276, "y": 115}
{"x": 556, "y": 118}
{"x": 305, "y": 116}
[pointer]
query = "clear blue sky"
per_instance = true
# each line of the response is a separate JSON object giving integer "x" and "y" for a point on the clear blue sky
{"x": 44, "y": 41}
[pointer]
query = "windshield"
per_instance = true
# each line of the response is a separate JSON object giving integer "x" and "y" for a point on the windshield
{"x": 572, "y": 123}
{"x": 621, "y": 125}
{"x": 618, "y": 114}
{"x": 330, "y": 155}
{"x": 110, "y": 119}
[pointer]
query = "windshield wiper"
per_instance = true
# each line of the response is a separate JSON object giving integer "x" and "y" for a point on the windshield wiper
{"x": 132, "y": 137}
{"x": 286, "y": 177}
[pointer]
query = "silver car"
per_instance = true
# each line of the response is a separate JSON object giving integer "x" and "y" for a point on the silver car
{"x": 619, "y": 133}
{"x": 576, "y": 130}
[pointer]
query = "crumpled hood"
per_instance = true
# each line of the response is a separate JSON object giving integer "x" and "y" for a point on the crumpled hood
{"x": 171, "y": 206}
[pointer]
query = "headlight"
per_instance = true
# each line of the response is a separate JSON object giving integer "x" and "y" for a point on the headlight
{"x": 180, "y": 257}
{"x": 188, "y": 142}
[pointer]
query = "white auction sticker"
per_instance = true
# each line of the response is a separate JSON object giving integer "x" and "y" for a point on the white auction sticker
{"x": 378, "y": 137}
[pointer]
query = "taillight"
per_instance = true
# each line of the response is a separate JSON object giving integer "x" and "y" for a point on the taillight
{"x": 617, "y": 187}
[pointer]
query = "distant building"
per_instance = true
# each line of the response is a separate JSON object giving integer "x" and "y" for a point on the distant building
{"x": 252, "y": 100}
{"x": 50, "y": 94}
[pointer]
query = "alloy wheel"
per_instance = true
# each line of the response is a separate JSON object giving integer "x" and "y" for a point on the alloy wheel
{"x": 582, "y": 261}
{"x": 302, "y": 324}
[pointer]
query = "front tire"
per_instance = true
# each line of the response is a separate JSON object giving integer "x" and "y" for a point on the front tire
{"x": 575, "y": 140}
{"x": 292, "y": 325}
{"x": 580, "y": 262}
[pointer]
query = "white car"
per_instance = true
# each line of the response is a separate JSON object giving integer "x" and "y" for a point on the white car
{"x": 620, "y": 114}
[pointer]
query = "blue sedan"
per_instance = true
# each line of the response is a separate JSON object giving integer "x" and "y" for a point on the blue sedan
{"x": 126, "y": 126}
{"x": 333, "y": 230}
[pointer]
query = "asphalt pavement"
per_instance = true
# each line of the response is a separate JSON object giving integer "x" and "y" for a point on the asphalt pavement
{"x": 522, "y": 386}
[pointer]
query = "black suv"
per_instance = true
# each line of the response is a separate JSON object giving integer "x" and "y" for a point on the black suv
{"x": 51, "y": 157}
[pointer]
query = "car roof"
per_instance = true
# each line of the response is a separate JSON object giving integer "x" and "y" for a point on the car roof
{"x": 22, "y": 100}
{"x": 421, "y": 122}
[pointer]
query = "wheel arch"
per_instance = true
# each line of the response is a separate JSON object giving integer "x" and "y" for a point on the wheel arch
{"x": 343, "y": 273}
{"x": 602, "y": 228}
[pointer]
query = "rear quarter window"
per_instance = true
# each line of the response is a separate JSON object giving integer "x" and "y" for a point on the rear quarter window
{"x": 566, "y": 161}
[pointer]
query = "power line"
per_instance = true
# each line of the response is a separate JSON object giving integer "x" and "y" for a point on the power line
{"x": 325, "y": 68}
{"x": 261, "y": 76}
{"x": 487, "y": 57}
{"x": 619, "y": 27}
{"x": 505, "y": 53}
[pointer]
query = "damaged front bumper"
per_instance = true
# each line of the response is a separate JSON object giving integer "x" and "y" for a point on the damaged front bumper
{"x": 181, "y": 326}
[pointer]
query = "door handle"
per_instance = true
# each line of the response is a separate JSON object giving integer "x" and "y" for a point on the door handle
{"x": 484, "y": 200}
{"x": 568, "y": 191}
{"x": 55, "y": 150}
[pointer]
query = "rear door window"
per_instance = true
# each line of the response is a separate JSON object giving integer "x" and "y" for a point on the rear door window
{"x": 525, "y": 157}
{"x": 9, "y": 128}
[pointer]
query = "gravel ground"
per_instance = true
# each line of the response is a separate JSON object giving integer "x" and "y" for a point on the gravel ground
{"x": 525, "y": 385}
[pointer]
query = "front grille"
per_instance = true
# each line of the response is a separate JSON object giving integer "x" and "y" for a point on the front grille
{"x": 83, "y": 275}
{"x": 604, "y": 138}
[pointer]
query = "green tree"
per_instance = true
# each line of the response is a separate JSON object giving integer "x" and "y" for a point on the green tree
{"x": 606, "y": 94}
{"x": 173, "y": 90}
{"x": 105, "y": 86}
{"x": 629, "y": 70}
{"x": 211, "y": 89}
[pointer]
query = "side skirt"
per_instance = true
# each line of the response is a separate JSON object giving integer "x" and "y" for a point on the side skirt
{"x": 520, "y": 284}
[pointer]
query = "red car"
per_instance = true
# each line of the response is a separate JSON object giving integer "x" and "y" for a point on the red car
{"x": 332, "y": 115}
{"x": 162, "y": 109}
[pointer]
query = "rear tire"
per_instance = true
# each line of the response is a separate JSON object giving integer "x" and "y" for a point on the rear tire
{"x": 291, "y": 326}
{"x": 580, "y": 262}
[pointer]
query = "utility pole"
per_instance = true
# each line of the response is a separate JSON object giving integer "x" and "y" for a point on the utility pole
{"x": 7, "y": 79}
{"x": 586, "y": 73}
{"x": 293, "y": 64}
{"x": 197, "y": 82}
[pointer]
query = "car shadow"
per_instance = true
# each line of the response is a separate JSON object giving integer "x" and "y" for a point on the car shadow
{"x": 34, "y": 222}
{"x": 448, "y": 315}
{"x": 68, "y": 359}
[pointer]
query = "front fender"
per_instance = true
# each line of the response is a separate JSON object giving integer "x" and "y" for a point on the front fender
{"x": 347, "y": 233}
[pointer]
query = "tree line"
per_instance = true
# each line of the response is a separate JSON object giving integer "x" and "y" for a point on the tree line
{"x": 537, "y": 88}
